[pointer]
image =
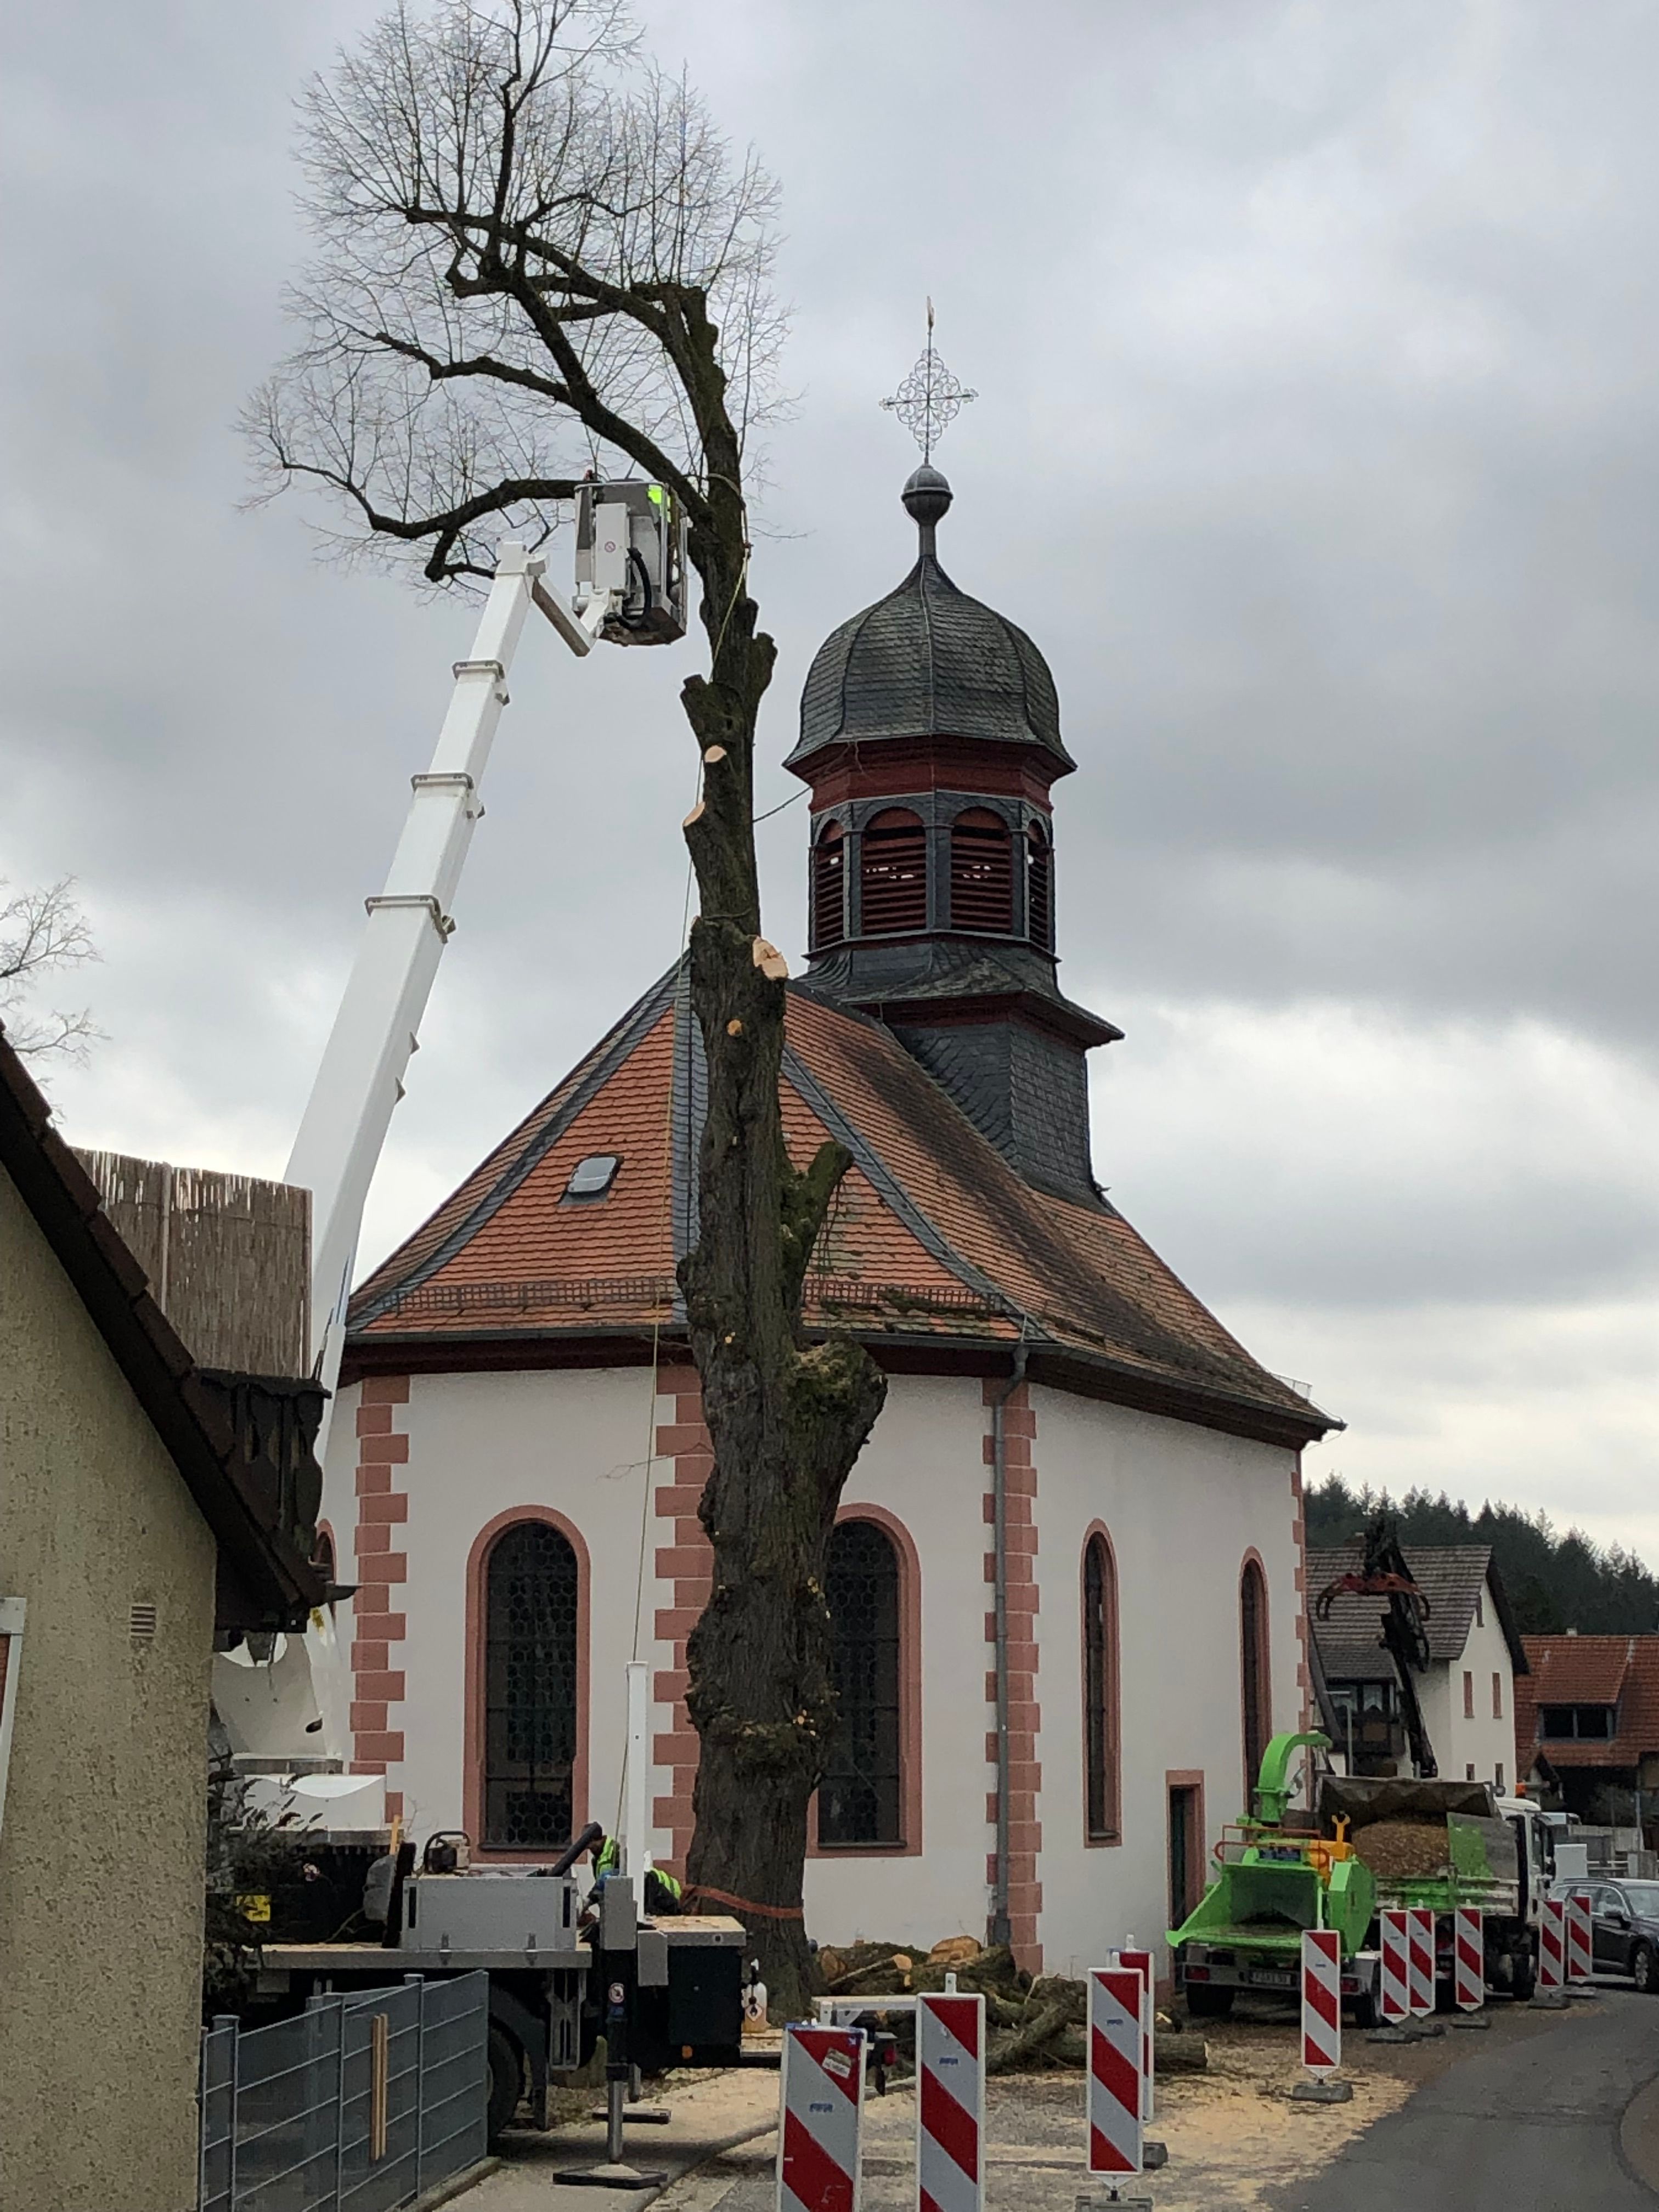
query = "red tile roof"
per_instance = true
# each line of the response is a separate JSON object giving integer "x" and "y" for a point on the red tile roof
{"x": 933, "y": 1235}
{"x": 1589, "y": 1671}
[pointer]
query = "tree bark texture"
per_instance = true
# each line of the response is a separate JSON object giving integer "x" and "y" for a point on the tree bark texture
{"x": 786, "y": 1418}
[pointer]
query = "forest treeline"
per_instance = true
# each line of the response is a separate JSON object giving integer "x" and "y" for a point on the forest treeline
{"x": 1553, "y": 1582}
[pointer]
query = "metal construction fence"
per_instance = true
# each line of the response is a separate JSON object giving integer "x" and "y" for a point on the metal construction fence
{"x": 358, "y": 2104}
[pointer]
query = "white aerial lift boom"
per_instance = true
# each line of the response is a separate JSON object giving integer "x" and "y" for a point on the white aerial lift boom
{"x": 630, "y": 590}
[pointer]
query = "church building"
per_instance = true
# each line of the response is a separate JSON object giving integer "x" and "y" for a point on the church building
{"x": 1067, "y": 1578}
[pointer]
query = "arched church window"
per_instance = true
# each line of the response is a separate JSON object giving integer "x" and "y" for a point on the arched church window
{"x": 981, "y": 872}
{"x": 828, "y": 888}
{"x": 1103, "y": 1795}
{"x": 1039, "y": 888}
{"x": 893, "y": 874}
{"x": 860, "y": 1798}
{"x": 1255, "y": 1684}
{"x": 530, "y": 1698}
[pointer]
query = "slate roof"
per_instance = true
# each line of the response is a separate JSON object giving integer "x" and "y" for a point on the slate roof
{"x": 942, "y": 971}
{"x": 263, "y": 1581}
{"x": 1451, "y": 1575}
{"x": 929, "y": 661}
{"x": 1590, "y": 1670}
{"x": 935, "y": 1243}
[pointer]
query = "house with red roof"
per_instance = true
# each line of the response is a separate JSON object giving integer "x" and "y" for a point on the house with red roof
{"x": 1067, "y": 1580}
{"x": 1587, "y": 1726}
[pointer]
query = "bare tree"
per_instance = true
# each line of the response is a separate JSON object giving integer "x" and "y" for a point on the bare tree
{"x": 536, "y": 251}
{"x": 41, "y": 933}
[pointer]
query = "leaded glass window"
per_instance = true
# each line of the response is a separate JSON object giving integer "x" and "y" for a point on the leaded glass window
{"x": 1255, "y": 1692}
{"x": 860, "y": 1798}
{"x": 530, "y": 1719}
{"x": 1100, "y": 1689}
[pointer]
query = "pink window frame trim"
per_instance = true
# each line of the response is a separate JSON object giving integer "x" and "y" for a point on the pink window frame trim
{"x": 1114, "y": 1700}
{"x": 477, "y": 1570}
{"x": 909, "y": 1579}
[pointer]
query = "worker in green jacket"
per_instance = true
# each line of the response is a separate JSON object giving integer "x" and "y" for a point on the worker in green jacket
{"x": 662, "y": 1893}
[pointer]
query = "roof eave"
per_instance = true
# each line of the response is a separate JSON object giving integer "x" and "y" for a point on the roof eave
{"x": 65, "y": 1206}
{"x": 1083, "y": 1373}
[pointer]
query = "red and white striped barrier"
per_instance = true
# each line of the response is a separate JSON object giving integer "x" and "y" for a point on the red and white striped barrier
{"x": 1422, "y": 1940}
{"x": 1395, "y": 1975}
{"x": 1581, "y": 1938}
{"x": 1114, "y": 2069}
{"x": 1468, "y": 1959}
{"x": 821, "y": 2107}
{"x": 1141, "y": 1963}
{"x": 1552, "y": 1945}
{"x": 1321, "y": 2000}
{"x": 951, "y": 2104}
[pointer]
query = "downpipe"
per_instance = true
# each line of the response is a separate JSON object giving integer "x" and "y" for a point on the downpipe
{"x": 1000, "y": 1929}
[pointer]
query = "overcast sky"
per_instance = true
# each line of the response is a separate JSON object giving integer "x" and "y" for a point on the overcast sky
{"x": 1318, "y": 447}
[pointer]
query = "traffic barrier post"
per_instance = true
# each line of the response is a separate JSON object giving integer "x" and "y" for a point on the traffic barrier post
{"x": 1140, "y": 1962}
{"x": 1322, "y": 2019}
{"x": 1549, "y": 1991}
{"x": 1468, "y": 1959}
{"x": 1422, "y": 1960}
{"x": 949, "y": 2104}
{"x": 1115, "y": 2070}
{"x": 1581, "y": 1937}
{"x": 1394, "y": 1978}
{"x": 820, "y": 2116}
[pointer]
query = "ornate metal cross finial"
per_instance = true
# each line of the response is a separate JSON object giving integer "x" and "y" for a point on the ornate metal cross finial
{"x": 930, "y": 400}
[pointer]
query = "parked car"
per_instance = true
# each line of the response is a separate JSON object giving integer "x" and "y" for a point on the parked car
{"x": 1625, "y": 1927}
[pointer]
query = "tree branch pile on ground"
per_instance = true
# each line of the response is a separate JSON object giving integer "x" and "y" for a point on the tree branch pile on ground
{"x": 538, "y": 260}
{"x": 1033, "y": 2024}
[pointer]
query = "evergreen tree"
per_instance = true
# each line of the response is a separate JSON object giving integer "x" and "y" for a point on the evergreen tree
{"x": 1553, "y": 1582}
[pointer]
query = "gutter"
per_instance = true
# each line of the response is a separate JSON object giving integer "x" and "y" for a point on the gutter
{"x": 1000, "y": 1929}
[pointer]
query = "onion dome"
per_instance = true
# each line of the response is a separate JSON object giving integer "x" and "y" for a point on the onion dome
{"x": 928, "y": 661}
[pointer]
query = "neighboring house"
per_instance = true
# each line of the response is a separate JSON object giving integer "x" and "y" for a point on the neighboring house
{"x": 1468, "y": 1693}
{"x": 520, "y": 1484}
{"x": 1587, "y": 1725}
{"x": 144, "y": 1506}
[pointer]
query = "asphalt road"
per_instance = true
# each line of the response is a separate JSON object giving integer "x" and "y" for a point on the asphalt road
{"x": 1533, "y": 2126}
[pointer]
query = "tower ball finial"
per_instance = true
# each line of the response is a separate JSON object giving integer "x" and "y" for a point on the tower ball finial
{"x": 927, "y": 497}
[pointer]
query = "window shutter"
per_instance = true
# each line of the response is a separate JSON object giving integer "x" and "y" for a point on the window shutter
{"x": 829, "y": 889}
{"x": 981, "y": 872}
{"x": 1039, "y": 889}
{"x": 893, "y": 875}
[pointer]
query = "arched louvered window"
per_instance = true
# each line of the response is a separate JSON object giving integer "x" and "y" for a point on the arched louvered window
{"x": 893, "y": 874}
{"x": 532, "y": 1594}
{"x": 981, "y": 872}
{"x": 860, "y": 1798}
{"x": 1102, "y": 1793}
{"x": 1039, "y": 888}
{"x": 1255, "y": 1681}
{"x": 829, "y": 887}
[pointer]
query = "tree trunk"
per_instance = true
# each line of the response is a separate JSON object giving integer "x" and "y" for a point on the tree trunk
{"x": 787, "y": 1420}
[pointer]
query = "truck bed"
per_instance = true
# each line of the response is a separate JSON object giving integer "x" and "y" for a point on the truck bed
{"x": 687, "y": 1930}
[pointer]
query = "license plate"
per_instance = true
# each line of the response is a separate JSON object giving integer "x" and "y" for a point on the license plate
{"x": 1265, "y": 1979}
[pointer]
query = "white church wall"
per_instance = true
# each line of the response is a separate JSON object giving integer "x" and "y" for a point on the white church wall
{"x": 1183, "y": 1506}
{"x": 484, "y": 1445}
{"x": 925, "y": 1464}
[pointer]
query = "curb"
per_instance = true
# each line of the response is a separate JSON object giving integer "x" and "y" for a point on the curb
{"x": 444, "y": 2191}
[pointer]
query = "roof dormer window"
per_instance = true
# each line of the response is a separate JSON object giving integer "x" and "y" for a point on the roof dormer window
{"x": 591, "y": 1177}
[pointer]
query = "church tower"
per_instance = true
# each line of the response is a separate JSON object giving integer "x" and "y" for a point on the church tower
{"x": 930, "y": 738}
